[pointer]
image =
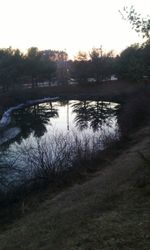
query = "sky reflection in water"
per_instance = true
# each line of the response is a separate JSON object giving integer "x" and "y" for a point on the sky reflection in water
{"x": 55, "y": 129}
{"x": 81, "y": 117}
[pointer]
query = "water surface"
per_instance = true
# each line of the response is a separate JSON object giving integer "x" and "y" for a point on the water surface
{"x": 65, "y": 116}
{"x": 52, "y": 130}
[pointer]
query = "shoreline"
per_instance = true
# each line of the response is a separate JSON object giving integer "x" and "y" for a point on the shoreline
{"x": 111, "y": 91}
{"x": 6, "y": 117}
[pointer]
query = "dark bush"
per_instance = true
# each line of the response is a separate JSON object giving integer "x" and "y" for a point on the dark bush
{"x": 135, "y": 112}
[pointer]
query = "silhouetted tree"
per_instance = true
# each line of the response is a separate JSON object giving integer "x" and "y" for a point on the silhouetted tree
{"x": 38, "y": 67}
{"x": 134, "y": 62}
{"x": 130, "y": 65}
{"x": 139, "y": 24}
{"x": 146, "y": 59}
{"x": 11, "y": 67}
{"x": 96, "y": 64}
{"x": 102, "y": 64}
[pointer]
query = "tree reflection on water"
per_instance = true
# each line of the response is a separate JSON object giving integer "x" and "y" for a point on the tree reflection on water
{"x": 94, "y": 114}
{"x": 82, "y": 111}
{"x": 35, "y": 118}
{"x": 57, "y": 134}
{"x": 82, "y": 115}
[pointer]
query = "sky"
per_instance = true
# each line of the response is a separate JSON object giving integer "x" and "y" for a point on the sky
{"x": 71, "y": 25}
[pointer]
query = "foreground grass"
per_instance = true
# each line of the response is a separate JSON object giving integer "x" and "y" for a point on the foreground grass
{"x": 109, "y": 211}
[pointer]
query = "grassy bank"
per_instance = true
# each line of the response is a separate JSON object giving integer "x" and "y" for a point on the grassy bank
{"x": 72, "y": 162}
{"x": 110, "y": 210}
{"x": 106, "y": 204}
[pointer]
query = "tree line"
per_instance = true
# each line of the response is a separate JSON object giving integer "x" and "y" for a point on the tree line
{"x": 35, "y": 66}
{"x": 132, "y": 64}
{"x": 16, "y": 68}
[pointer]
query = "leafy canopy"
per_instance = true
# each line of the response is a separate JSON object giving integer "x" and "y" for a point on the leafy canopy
{"x": 139, "y": 24}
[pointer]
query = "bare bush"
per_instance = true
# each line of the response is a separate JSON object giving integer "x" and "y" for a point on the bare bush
{"x": 49, "y": 158}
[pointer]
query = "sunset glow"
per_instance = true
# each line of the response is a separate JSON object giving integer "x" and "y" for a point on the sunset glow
{"x": 67, "y": 24}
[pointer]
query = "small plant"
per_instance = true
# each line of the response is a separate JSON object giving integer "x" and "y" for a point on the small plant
{"x": 144, "y": 179}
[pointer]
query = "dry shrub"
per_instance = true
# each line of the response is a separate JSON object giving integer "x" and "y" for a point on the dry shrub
{"x": 56, "y": 160}
{"x": 135, "y": 112}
